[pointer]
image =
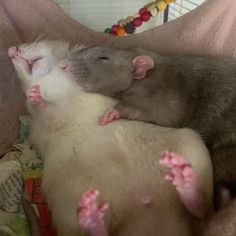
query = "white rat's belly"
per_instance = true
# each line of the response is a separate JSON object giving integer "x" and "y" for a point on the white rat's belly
{"x": 122, "y": 161}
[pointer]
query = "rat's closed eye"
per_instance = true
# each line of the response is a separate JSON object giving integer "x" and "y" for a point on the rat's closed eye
{"x": 103, "y": 58}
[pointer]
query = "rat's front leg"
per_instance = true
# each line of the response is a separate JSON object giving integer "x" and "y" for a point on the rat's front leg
{"x": 34, "y": 96}
{"x": 122, "y": 110}
{"x": 91, "y": 214}
{"x": 108, "y": 116}
{"x": 184, "y": 178}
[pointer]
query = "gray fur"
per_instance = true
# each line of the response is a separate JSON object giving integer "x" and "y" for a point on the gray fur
{"x": 180, "y": 91}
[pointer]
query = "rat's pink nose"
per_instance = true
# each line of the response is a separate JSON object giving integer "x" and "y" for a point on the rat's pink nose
{"x": 63, "y": 64}
{"x": 13, "y": 52}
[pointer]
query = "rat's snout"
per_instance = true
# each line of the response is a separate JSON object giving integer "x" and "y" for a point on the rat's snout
{"x": 64, "y": 65}
{"x": 13, "y": 52}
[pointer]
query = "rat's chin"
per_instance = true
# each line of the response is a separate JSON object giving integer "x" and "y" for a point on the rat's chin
{"x": 26, "y": 65}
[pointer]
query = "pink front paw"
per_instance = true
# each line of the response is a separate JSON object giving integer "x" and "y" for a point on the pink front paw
{"x": 184, "y": 178}
{"x": 109, "y": 116}
{"x": 34, "y": 95}
{"x": 91, "y": 214}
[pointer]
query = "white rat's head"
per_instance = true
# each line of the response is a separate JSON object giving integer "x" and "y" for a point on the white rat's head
{"x": 33, "y": 61}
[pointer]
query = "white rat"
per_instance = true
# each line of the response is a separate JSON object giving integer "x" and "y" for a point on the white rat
{"x": 36, "y": 59}
{"x": 120, "y": 160}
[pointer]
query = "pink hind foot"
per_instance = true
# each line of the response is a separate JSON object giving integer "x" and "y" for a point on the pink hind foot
{"x": 109, "y": 116}
{"x": 34, "y": 95}
{"x": 184, "y": 178}
{"x": 90, "y": 214}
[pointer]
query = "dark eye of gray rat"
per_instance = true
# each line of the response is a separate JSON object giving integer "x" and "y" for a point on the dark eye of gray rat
{"x": 103, "y": 58}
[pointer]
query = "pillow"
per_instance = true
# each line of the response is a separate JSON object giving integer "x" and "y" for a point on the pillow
{"x": 209, "y": 29}
{"x": 11, "y": 97}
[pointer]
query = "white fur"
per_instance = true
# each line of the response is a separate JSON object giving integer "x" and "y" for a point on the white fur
{"x": 120, "y": 159}
{"x": 50, "y": 51}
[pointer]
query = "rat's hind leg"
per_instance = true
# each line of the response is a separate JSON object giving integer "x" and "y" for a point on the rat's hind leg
{"x": 91, "y": 214}
{"x": 184, "y": 178}
{"x": 34, "y": 95}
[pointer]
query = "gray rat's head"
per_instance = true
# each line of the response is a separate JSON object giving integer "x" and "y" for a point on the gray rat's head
{"x": 103, "y": 69}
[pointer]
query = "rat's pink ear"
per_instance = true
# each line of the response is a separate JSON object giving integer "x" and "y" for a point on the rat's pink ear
{"x": 63, "y": 64}
{"x": 141, "y": 65}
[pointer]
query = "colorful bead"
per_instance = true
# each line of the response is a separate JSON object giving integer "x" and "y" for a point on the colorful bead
{"x": 120, "y": 31}
{"x": 154, "y": 11}
{"x": 126, "y": 21}
{"x": 137, "y": 21}
{"x": 114, "y": 28}
{"x": 121, "y": 22}
{"x": 129, "y": 28}
{"x": 128, "y": 25}
{"x": 161, "y": 5}
{"x": 150, "y": 6}
{"x": 142, "y": 10}
{"x": 107, "y": 30}
{"x": 130, "y": 18}
{"x": 145, "y": 16}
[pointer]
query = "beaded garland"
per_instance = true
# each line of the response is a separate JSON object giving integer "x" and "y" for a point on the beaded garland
{"x": 128, "y": 25}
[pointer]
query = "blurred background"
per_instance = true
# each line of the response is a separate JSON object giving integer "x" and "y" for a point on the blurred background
{"x": 100, "y": 14}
